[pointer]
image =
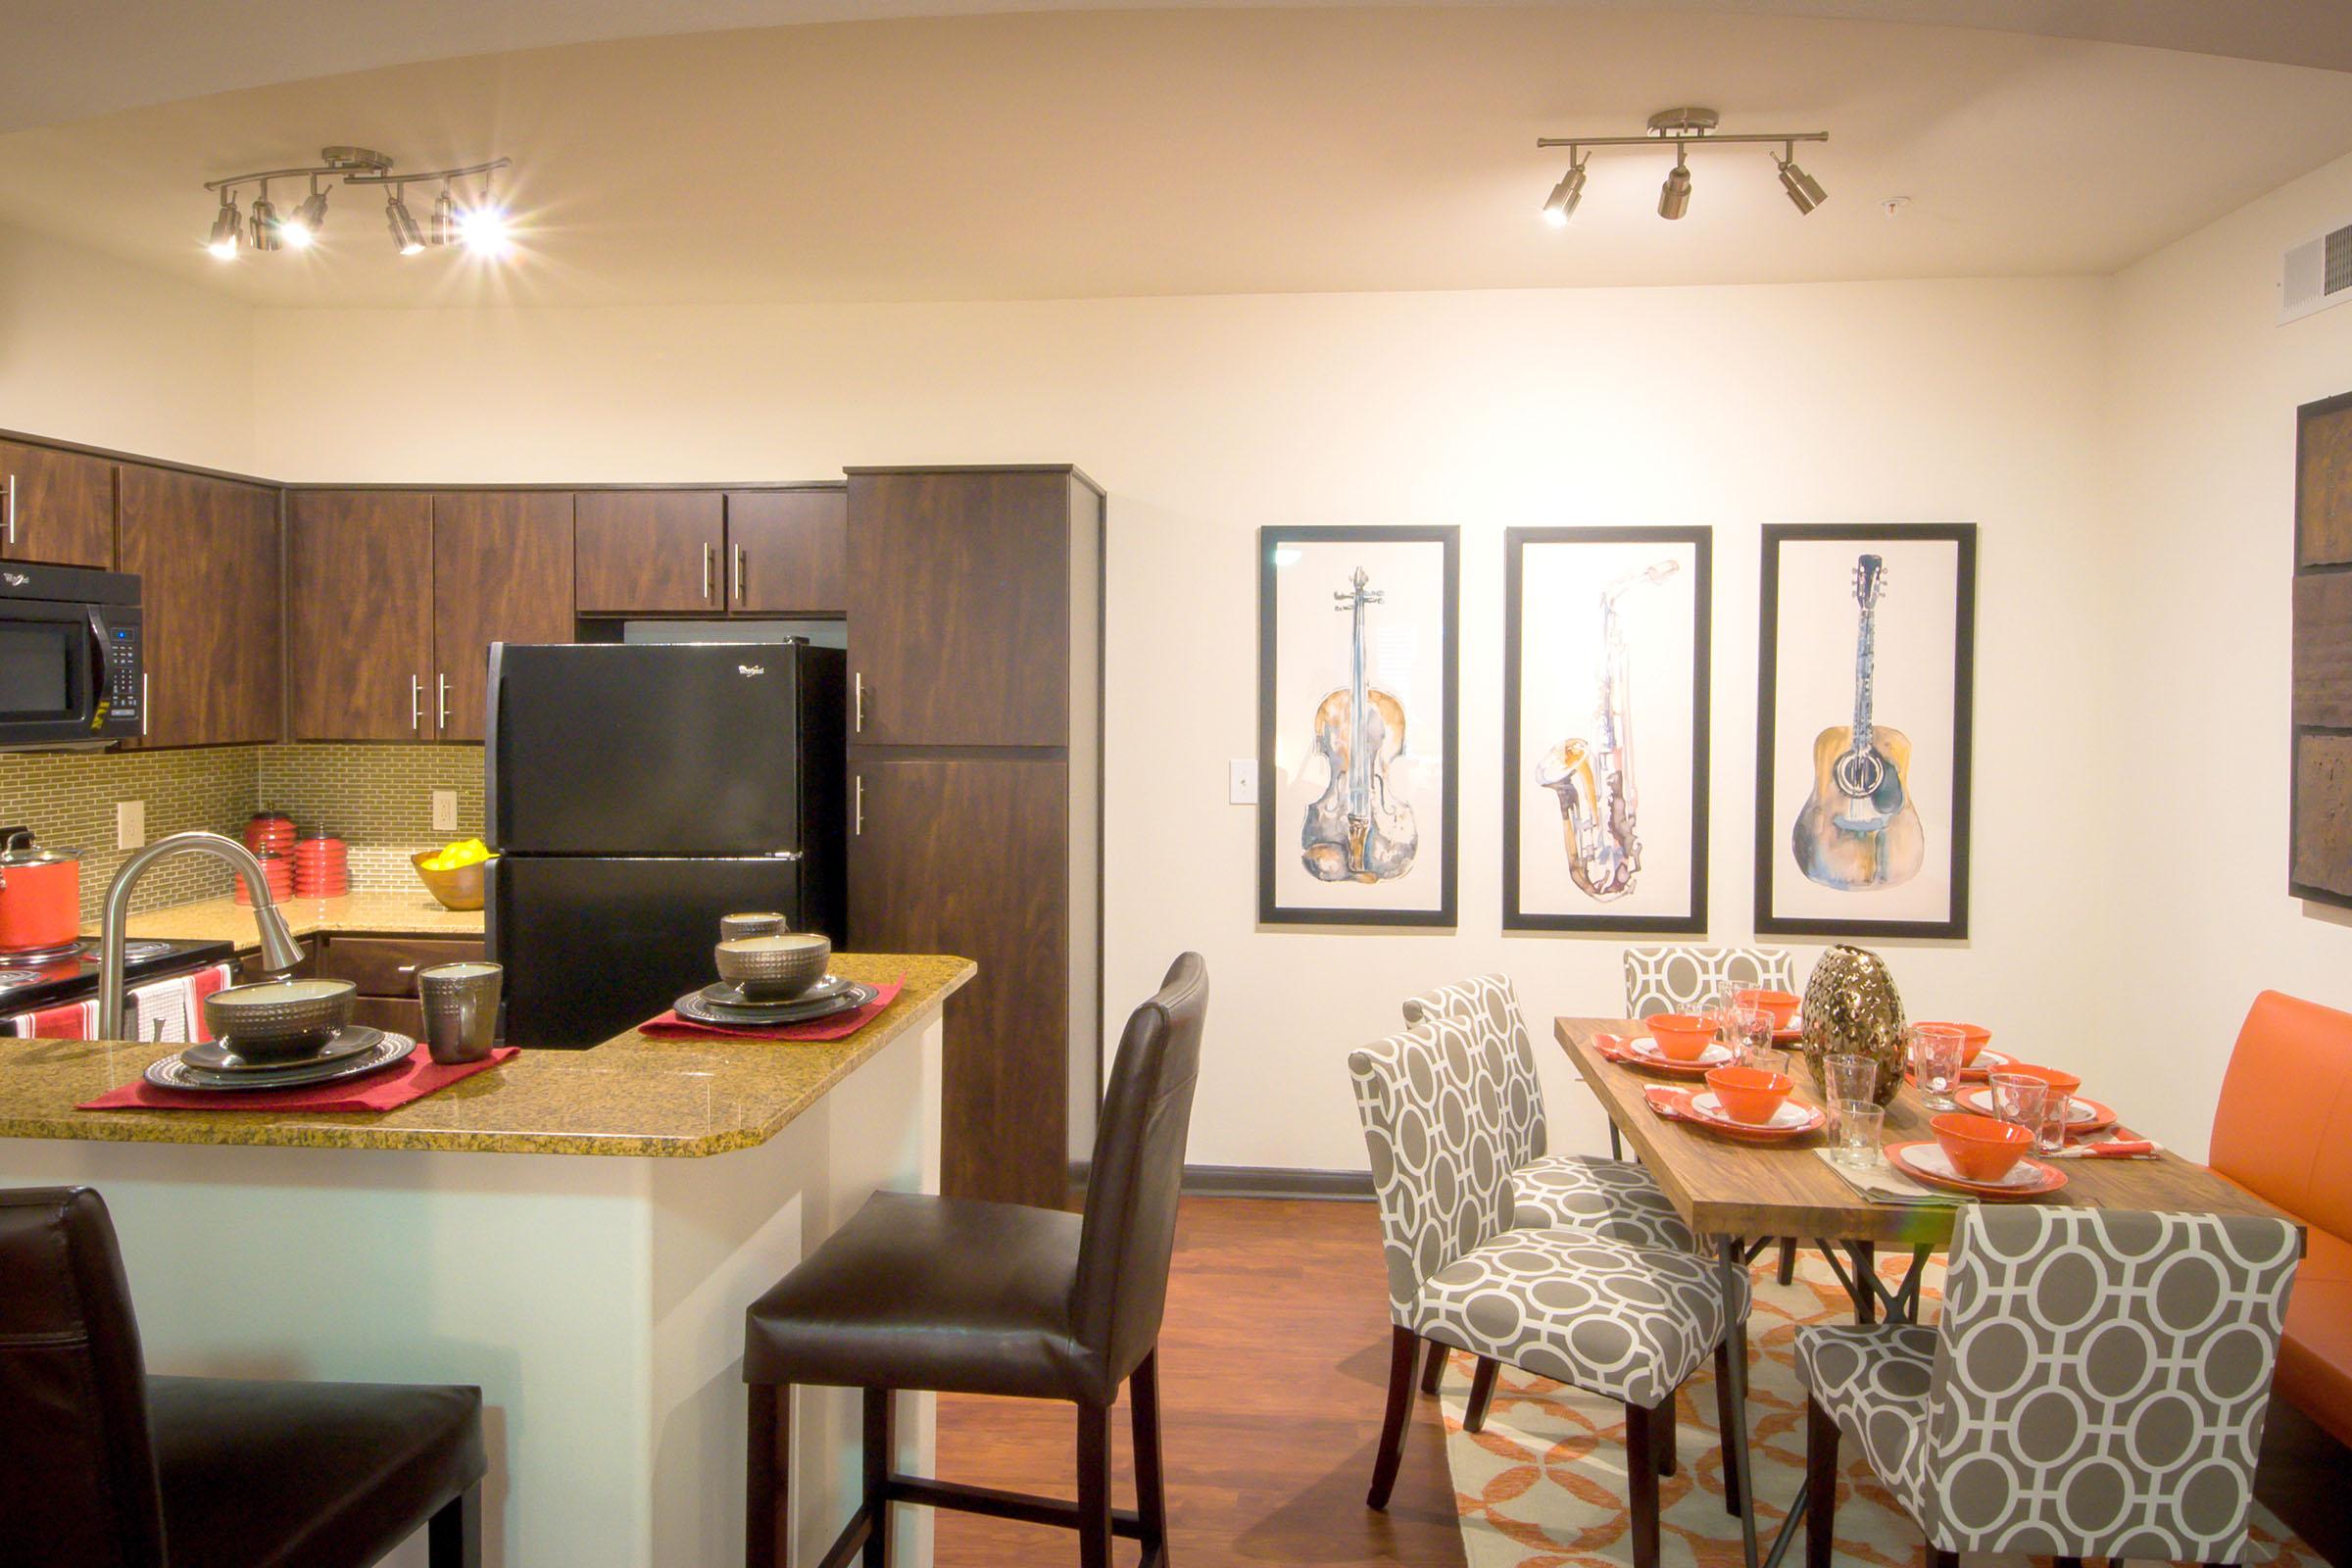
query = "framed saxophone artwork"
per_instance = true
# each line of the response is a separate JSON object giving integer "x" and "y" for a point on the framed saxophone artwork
{"x": 1865, "y": 685}
{"x": 1357, "y": 761}
{"x": 1604, "y": 729}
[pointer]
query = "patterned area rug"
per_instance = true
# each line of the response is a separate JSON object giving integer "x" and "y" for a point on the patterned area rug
{"x": 1543, "y": 1485}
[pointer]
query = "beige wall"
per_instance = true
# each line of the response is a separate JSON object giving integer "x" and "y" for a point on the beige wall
{"x": 1208, "y": 417}
{"x": 2201, "y": 467}
{"x": 97, "y": 350}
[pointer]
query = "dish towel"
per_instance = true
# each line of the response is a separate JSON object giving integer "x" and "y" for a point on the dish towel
{"x": 68, "y": 1020}
{"x": 669, "y": 1026}
{"x": 389, "y": 1089}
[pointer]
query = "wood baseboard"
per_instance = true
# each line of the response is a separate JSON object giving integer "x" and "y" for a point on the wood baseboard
{"x": 1255, "y": 1181}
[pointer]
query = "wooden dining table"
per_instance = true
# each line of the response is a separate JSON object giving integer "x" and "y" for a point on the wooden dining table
{"x": 1738, "y": 1196}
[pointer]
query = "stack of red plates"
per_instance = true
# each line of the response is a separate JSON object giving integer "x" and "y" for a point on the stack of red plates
{"x": 271, "y": 832}
{"x": 321, "y": 867}
{"x": 278, "y": 869}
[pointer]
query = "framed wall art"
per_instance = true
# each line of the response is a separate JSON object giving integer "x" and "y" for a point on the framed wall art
{"x": 2320, "y": 816}
{"x": 1356, "y": 750}
{"x": 1866, "y": 678}
{"x": 1604, "y": 740}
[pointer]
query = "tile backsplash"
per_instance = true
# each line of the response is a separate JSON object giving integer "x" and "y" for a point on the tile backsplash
{"x": 375, "y": 798}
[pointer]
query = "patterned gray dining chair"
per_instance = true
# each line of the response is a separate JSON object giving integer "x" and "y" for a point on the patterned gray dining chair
{"x": 2096, "y": 1387}
{"x": 1630, "y": 1323}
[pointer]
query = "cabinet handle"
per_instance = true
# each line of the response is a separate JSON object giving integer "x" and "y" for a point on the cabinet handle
{"x": 12, "y": 509}
{"x": 739, "y": 575}
{"x": 857, "y": 790}
{"x": 441, "y": 682}
{"x": 706, "y": 563}
{"x": 146, "y": 708}
{"x": 416, "y": 704}
{"x": 857, "y": 703}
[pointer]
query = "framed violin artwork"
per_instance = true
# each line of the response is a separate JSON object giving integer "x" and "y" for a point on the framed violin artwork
{"x": 1604, "y": 742}
{"x": 1357, "y": 760}
{"x": 1866, "y": 681}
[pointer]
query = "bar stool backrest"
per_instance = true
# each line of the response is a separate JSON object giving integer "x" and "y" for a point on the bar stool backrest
{"x": 1675, "y": 977}
{"x": 1438, "y": 1168}
{"x": 77, "y": 1479}
{"x": 1487, "y": 1004}
{"x": 2100, "y": 1381}
{"x": 1129, "y": 1233}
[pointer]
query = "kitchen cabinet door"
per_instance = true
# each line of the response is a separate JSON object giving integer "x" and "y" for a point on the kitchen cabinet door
{"x": 785, "y": 551}
{"x": 502, "y": 572}
{"x": 207, "y": 554}
{"x": 651, "y": 551}
{"x": 970, "y": 856}
{"x": 60, "y": 506}
{"x": 360, "y": 615}
{"x": 958, "y": 600}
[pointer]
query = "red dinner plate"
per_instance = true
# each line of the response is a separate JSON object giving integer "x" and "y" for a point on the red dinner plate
{"x": 1926, "y": 1161}
{"x": 1988, "y": 1062}
{"x": 2082, "y": 1117}
{"x": 1794, "y": 1120}
{"x": 1653, "y": 1060}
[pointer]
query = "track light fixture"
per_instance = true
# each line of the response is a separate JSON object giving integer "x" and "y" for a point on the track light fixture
{"x": 483, "y": 225}
{"x": 1684, "y": 128}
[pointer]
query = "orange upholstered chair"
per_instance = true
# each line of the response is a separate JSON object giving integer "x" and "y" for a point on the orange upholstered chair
{"x": 2283, "y": 1130}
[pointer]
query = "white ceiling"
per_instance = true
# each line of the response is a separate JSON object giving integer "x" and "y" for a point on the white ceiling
{"x": 1106, "y": 152}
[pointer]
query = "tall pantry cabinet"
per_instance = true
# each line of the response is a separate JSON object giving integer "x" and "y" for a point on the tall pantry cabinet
{"x": 975, "y": 631}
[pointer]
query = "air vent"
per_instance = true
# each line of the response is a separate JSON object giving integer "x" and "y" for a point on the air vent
{"x": 2317, "y": 274}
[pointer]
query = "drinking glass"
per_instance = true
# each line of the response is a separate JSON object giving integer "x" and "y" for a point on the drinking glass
{"x": 1764, "y": 1057}
{"x": 2019, "y": 1100}
{"x": 1751, "y": 1030}
{"x": 1936, "y": 1062}
{"x": 2050, "y": 1136}
{"x": 1848, "y": 1078}
{"x": 1859, "y": 1125}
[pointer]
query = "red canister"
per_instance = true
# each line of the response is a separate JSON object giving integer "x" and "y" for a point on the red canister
{"x": 270, "y": 830}
{"x": 321, "y": 867}
{"x": 278, "y": 869}
{"x": 40, "y": 896}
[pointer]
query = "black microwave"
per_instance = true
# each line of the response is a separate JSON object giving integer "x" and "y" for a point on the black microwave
{"x": 72, "y": 671}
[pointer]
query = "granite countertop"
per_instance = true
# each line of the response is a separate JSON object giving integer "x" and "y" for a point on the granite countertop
{"x": 629, "y": 1096}
{"x": 412, "y": 914}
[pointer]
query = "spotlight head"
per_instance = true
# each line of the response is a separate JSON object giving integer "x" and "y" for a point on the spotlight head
{"x": 1674, "y": 197}
{"x": 1804, "y": 191}
{"x": 1565, "y": 195}
{"x": 483, "y": 228}
{"x": 308, "y": 219}
{"x": 407, "y": 238}
{"x": 441, "y": 226}
{"x": 228, "y": 228}
{"x": 268, "y": 232}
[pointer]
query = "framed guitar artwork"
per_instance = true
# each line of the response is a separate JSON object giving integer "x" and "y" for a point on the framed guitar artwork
{"x": 1865, "y": 685}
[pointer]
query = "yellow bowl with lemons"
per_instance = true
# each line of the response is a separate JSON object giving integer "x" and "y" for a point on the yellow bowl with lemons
{"x": 453, "y": 873}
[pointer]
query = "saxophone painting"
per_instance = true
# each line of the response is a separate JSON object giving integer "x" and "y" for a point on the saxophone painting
{"x": 1601, "y": 805}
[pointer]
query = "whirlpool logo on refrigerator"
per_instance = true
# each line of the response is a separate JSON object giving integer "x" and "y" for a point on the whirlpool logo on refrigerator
{"x": 751, "y": 669}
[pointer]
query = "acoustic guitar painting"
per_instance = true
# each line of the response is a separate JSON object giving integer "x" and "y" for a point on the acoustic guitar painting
{"x": 1359, "y": 830}
{"x": 1859, "y": 829}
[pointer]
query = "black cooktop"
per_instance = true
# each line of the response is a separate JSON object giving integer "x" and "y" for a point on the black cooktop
{"x": 73, "y": 976}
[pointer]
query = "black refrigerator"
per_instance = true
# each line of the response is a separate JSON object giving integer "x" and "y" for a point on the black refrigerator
{"x": 636, "y": 793}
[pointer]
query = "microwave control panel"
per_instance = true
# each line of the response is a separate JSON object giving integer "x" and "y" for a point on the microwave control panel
{"x": 121, "y": 688}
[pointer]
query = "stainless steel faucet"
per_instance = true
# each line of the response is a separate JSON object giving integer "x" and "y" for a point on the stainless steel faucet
{"x": 279, "y": 950}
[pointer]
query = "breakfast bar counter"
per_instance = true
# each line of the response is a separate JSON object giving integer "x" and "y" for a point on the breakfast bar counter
{"x": 413, "y": 912}
{"x": 597, "y": 1302}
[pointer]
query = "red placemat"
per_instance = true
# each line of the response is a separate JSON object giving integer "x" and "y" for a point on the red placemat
{"x": 669, "y": 1026}
{"x": 389, "y": 1089}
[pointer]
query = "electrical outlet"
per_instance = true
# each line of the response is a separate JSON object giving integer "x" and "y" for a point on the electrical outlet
{"x": 130, "y": 825}
{"x": 1242, "y": 790}
{"x": 445, "y": 811}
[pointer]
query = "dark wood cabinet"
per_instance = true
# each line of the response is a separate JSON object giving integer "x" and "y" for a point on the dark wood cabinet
{"x": 651, "y": 551}
{"x": 207, "y": 551}
{"x": 382, "y": 971}
{"x": 360, "y": 615}
{"x": 786, "y": 551}
{"x": 502, "y": 572}
{"x": 59, "y": 507}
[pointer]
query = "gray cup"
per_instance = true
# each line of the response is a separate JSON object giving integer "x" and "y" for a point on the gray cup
{"x": 461, "y": 1009}
{"x": 764, "y": 923}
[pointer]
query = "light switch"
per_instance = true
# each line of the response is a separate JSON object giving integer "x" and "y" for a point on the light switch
{"x": 1244, "y": 790}
{"x": 130, "y": 825}
{"x": 445, "y": 811}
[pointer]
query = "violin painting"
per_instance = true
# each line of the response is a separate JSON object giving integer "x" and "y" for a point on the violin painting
{"x": 1359, "y": 830}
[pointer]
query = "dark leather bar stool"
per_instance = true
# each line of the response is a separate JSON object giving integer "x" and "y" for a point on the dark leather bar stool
{"x": 102, "y": 1466}
{"x": 963, "y": 1297}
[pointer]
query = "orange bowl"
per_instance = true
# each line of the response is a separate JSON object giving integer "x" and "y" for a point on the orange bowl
{"x": 1749, "y": 1094}
{"x": 1979, "y": 1147}
{"x": 1680, "y": 1036}
{"x": 1974, "y": 1037}
{"x": 1781, "y": 1004}
{"x": 2066, "y": 1083}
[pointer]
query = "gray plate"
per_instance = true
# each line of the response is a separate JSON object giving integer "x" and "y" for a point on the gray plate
{"x": 217, "y": 1057}
{"x": 696, "y": 1006}
{"x": 727, "y": 993}
{"x": 174, "y": 1073}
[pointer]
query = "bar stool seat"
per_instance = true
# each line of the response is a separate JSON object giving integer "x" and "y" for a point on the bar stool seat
{"x": 950, "y": 1293}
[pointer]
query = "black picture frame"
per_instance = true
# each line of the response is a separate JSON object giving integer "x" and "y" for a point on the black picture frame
{"x": 1515, "y": 544}
{"x": 1270, "y": 910}
{"x": 1770, "y": 833}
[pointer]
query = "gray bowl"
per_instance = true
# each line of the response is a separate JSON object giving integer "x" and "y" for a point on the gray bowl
{"x": 278, "y": 1020}
{"x": 775, "y": 967}
{"x": 731, "y": 926}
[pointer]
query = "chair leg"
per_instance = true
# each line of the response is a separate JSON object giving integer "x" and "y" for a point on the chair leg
{"x": 1094, "y": 1486}
{"x": 1150, "y": 1485}
{"x": 1787, "y": 1274}
{"x": 2065, "y": 1562}
{"x": 1661, "y": 1437}
{"x": 879, "y": 1449}
{"x": 1821, "y": 1487}
{"x": 768, "y": 1484}
{"x": 1641, "y": 1483}
{"x": 454, "y": 1535}
{"x": 1726, "y": 1417}
{"x": 1481, "y": 1394}
{"x": 1433, "y": 1372}
{"x": 1404, "y": 1347}
{"x": 1942, "y": 1559}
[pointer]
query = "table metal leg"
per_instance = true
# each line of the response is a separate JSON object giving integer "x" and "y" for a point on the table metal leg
{"x": 1732, "y": 1253}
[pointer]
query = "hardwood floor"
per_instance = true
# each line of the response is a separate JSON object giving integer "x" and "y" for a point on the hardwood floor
{"x": 1273, "y": 1361}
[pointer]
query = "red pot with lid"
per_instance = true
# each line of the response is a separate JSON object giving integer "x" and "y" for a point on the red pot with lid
{"x": 40, "y": 896}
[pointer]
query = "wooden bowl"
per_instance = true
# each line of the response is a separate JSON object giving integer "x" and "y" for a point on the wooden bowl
{"x": 1974, "y": 1037}
{"x": 775, "y": 967}
{"x": 278, "y": 1020}
{"x": 1750, "y": 1095}
{"x": 1680, "y": 1036}
{"x": 1979, "y": 1147}
{"x": 461, "y": 888}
